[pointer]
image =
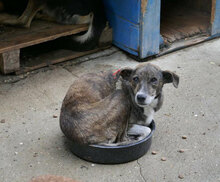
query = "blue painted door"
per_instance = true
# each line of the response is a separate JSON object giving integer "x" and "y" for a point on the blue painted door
{"x": 136, "y": 25}
{"x": 216, "y": 21}
{"x": 150, "y": 28}
{"x": 124, "y": 17}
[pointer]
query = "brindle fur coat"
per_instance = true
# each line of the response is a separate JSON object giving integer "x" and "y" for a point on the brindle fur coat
{"x": 93, "y": 111}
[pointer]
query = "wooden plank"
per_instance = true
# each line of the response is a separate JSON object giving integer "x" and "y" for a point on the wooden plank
{"x": 170, "y": 33}
{"x": 10, "y": 61}
{"x": 105, "y": 38}
{"x": 40, "y": 31}
{"x": 184, "y": 44}
{"x": 53, "y": 57}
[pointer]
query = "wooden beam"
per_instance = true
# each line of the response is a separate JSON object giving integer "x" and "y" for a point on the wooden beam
{"x": 54, "y": 57}
{"x": 10, "y": 61}
{"x": 40, "y": 31}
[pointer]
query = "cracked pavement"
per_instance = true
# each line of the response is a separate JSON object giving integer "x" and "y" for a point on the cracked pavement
{"x": 32, "y": 143}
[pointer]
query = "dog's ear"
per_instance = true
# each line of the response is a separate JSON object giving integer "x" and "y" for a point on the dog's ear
{"x": 170, "y": 77}
{"x": 126, "y": 73}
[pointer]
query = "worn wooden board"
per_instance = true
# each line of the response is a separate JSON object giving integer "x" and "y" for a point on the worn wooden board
{"x": 9, "y": 61}
{"x": 52, "y": 58}
{"x": 12, "y": 38}
{"x": 184, "y": 43}
{"x": 36, "y": 45}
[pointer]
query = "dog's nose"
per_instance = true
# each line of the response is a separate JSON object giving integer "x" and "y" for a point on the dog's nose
{"x": 141, "y": 98}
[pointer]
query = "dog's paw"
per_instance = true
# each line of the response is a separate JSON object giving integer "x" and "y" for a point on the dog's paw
{"x": 147, "y": 131}
{"x": 139, "y": 132}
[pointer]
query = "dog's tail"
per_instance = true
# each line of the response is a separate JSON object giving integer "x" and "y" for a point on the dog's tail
{"x": 90, "y": 39}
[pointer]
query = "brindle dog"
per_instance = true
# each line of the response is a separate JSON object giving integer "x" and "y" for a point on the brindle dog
{"x": 95, "y": 112}
{"x": 144, "y": 85}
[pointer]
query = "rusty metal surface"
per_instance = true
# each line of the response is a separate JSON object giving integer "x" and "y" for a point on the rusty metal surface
{"x": 143, "y": 6}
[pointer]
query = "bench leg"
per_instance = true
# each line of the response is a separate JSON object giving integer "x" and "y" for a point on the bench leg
{"x": 106, "y": 37}
{"x": 10, "y": 61}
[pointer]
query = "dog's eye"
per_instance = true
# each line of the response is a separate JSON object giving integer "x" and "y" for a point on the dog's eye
{"x": 136, "y": 79}
{"x": 153, "y": 80}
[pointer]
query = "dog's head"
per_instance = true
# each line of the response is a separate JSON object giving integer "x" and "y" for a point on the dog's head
{"x": 146, "y": 82}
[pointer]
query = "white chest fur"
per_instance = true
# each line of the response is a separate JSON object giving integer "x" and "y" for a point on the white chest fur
{"x": 149, "y": 112}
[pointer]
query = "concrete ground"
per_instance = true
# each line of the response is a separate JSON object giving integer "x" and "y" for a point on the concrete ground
{"x": 31, "y": 142}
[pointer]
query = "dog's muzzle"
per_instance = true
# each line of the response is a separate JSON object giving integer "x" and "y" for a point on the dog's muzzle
{"x": 141, "y": 98}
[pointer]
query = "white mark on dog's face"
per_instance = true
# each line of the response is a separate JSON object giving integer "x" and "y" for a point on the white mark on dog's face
{"x": 143, "y": 98}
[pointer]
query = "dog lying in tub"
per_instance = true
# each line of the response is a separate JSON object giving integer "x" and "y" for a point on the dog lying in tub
{"x": 95, "y": 112}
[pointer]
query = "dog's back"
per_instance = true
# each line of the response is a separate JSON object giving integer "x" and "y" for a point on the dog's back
{"x": 93, "y": 112}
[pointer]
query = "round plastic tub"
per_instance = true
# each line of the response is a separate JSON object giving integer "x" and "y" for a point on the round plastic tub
{"x": 113, "y": 154}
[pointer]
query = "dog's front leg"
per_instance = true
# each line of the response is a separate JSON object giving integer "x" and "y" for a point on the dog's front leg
{"x": 149, "y": 113}
{"x": 138, "y": 131}
{"x": 123, "y": 137}
{"x": 135, "y": 131}
{"x": 26, "y": 18}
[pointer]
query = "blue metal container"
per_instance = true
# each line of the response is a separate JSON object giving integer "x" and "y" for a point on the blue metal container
{"x": 136, "y": 25}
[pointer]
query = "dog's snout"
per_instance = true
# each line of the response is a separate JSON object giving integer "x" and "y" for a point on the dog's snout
{"x": 141, "y": 98}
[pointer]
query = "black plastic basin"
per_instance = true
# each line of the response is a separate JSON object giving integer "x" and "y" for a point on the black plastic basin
{"x": 113, "y": 154}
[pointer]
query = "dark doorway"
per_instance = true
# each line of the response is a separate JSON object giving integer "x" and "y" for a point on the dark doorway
{"x": 182, "y": 19}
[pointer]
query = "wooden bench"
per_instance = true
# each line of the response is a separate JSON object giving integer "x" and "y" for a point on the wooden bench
{"x": 12, "y": 40}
